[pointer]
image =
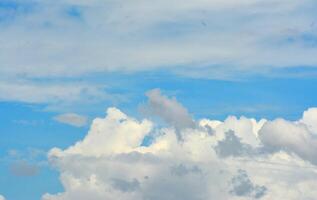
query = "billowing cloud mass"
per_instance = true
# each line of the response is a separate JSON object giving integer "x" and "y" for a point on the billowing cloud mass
{"x": 238, "y": 158}
{"x": 2, "y": 197}
{"x": 72, "y": 119}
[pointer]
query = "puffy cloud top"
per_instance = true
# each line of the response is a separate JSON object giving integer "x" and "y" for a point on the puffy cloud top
{"x": 117, "y": 133}
{"x": 310, "y": 119}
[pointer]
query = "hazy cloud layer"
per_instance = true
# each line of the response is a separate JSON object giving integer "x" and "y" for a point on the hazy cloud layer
{"x": 219, "y": 39}
{"x": 2, "y": 197}
{"x": 238, "y": 158}
{"x": 66, "y": 39}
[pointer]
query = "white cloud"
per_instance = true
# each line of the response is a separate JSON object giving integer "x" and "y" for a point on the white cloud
{"x": 111, "y": 163}
{"x": 72, "y": 119}
{"x": 2, "y": 197}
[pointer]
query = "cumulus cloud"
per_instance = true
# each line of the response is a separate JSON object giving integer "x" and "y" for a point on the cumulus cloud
{"x": 72, "y": 119}
{"x": 111, "y": 162}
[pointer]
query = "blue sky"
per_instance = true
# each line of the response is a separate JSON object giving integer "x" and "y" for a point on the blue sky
{"x": 219, "y": 58}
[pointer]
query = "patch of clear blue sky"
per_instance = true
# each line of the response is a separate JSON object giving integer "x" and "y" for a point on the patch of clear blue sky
{"x": 9, "y": 9}
{"x": 24, "y": 125}
{"x": 10, "y": 4}
{"x": 28, "y": 188}
{"x": 74, "y": 11}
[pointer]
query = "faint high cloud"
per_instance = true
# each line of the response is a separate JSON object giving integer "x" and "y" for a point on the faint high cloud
{"x": 25, "y": 162}
{"x": 72, "y": 119}
{"x": 23, "y": 168}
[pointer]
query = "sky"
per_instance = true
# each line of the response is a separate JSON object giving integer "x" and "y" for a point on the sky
{"x": 149, "y": 100}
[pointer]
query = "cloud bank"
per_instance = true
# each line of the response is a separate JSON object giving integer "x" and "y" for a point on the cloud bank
{"x": 238, "y": 158}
